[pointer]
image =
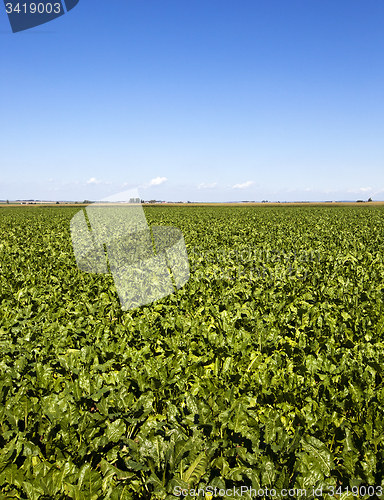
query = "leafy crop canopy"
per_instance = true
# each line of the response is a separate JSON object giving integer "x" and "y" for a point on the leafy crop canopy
{"x": 263, "y": 370}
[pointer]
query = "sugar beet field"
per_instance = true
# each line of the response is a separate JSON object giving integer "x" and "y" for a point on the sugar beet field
{"x": 264, "y": 371}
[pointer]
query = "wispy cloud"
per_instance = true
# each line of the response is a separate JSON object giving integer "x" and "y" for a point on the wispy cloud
{"x": 157, "y": 181}
{"x": 93, "y": 180}
{"x": 206, "y": 186}
{"x": 360, "y": 190}
{"x": 328, "y": 191}
{"x": 243, "y": 186}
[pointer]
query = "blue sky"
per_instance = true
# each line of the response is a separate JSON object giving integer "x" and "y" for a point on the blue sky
{"x": 201, "y": 100}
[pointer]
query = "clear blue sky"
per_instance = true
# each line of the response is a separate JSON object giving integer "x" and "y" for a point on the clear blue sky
{"x": 202, "y": 100}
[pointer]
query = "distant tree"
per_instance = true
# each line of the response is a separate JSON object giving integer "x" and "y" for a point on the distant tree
{"x": 87, "y": 202}
{"x": 360, "y": 201}
{"x": 7, "y": 202}
{"x": 57, "y": 203}
{"x": 369, "y": 199}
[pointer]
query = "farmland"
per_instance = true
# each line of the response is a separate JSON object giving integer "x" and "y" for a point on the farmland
{"x": 264, "y": 370}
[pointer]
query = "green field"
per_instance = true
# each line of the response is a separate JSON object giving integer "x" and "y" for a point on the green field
{"x": 263, "y": 371}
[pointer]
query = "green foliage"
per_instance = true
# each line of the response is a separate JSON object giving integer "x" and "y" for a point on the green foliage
{"x": 269, "y": 379}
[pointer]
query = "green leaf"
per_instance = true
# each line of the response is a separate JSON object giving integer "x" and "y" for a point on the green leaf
{"x": 115, "y": 430}
{"x": 196, "y": 469}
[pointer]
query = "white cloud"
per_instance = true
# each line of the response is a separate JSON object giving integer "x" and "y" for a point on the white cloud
{"x": 360, "y": 190}
{"x": 243, "y": 186}
{"x": 205, "y": 186}
{"x": 93, "y": 180}
{"x": 157, "y": 181}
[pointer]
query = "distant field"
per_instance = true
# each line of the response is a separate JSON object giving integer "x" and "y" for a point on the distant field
{"x": 198, "y": 204}
{"x": 263, "y": 371}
